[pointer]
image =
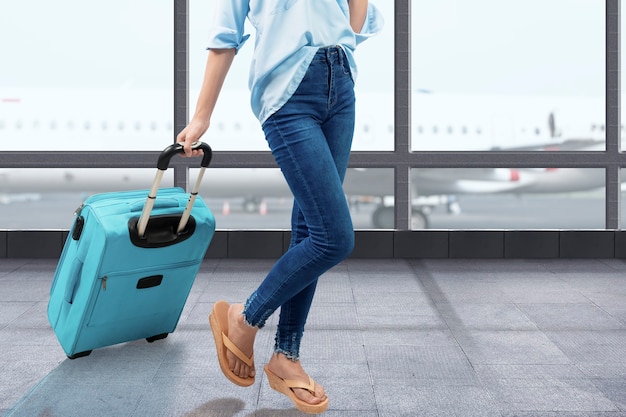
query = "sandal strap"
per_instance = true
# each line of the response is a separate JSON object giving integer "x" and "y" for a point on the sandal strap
{"x": 236, "y": 351}
{"x": 292, "y": 383}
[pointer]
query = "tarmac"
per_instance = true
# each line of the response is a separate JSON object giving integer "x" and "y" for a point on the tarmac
{"x": 386, "y": 338}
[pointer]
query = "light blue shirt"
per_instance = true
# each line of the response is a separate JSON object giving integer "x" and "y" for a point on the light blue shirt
{"x": 288, "y": 34}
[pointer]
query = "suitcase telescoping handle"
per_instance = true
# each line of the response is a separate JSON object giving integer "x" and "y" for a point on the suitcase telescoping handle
{"x": 162, "y": 164}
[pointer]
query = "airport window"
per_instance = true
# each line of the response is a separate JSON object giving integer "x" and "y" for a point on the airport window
{"x": 526, "y": 100}
{"x": 60, "y": 191}
{"x": 507, "y": 198}
{"x": 92, "y": 74}
{"x": 509, "y": 80}
{"x": 245, "y": 198}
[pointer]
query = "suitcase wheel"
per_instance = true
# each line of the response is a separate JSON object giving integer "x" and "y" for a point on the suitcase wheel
{"x": 157, "y": 337}
{"x": 79, "y": 354}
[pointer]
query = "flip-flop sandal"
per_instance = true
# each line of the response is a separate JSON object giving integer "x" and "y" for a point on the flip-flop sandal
{"x": 285, "y": 386}
{"x": 218, "y": 319}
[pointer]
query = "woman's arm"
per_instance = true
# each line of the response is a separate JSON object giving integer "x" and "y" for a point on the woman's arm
{"x": 358, "y": 12}
{"x": 217, "y": 66}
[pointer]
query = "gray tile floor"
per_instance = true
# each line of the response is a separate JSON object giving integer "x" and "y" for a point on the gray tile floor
{"x": 507, "y": 338}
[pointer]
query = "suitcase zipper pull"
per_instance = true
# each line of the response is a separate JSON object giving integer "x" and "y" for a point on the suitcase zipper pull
{"x": 79, "y": 209}
{"x": 104, "y": 283}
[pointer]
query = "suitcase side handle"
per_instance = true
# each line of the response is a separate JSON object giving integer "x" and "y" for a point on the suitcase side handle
{"x": 162, "y": 164}
{"x": 72, "y": 283}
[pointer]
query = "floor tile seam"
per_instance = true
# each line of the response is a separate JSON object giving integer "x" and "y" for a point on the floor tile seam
{"x": 442, "y": 317}
{"x": 618, "y": 405}
{"x": 544, "y": 328}
{"x": 492, "y": 381}
{"x": 608, "y": 263}
{"x": 367, "y": 359}
{"x": 371, "y": 380}
{"x": 574, "y": 328}
{"x": 622, "y": 322}
{"x": 22, "y": 263}
{"x": 33, "y": 305}
{"x": 434, "y": 382}
{"x": 510, "y": 304}
{"x": 543, "y": 378}
{"x": 581, "y": 368}
{"x": 493, "y": 391}
{"x": 33, "y": 327}
{"x": 591, "y": 301}
{"x": 586, "y": 332}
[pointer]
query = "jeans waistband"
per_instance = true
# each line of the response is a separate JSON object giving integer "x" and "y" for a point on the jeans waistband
{"x": 329, "y": 52}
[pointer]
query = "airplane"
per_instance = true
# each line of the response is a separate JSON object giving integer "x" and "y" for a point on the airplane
{"x": 129, "y": 119}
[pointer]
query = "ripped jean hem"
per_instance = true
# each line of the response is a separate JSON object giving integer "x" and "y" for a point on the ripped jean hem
{"x": 294, "y": 357}
{"x": 247, "y": 323}
{"x": 264, "y": 317}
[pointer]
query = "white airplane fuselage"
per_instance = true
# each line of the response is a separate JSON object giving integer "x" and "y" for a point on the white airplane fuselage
{"x": 53, "y": 120}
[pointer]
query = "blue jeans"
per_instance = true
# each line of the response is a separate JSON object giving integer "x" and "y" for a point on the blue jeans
{"x": 310, "y": 138}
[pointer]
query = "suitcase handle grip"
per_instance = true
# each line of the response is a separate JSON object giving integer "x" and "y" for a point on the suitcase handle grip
{"x": 162, "y": 164}
{"x": 177, "y": 148}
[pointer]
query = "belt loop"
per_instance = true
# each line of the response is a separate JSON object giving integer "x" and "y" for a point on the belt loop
{"x": 340, "y": 54}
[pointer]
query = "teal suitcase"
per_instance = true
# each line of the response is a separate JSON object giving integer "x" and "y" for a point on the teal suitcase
{"x": 129, "y": 263}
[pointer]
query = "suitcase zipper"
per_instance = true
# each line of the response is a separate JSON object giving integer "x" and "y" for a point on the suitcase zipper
{"x": 79, "y": 209}
{"x": 104, "y": 199}
{"x": 147, "y": 270}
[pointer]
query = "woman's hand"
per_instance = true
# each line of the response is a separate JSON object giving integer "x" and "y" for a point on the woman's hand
{"x": 190, "y": 134}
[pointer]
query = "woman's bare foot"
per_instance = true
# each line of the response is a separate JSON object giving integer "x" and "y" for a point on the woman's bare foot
{"x": 242, "y": 335}
{"x": 287, "y": 369}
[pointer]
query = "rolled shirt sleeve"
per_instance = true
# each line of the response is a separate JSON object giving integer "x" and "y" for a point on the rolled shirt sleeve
{"x": 227, "y": 30}
{"x": 373, "y": 24}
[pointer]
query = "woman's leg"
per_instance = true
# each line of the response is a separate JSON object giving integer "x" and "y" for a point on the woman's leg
{"x": 310, "y": 138}
{"x": 337, "y": 129}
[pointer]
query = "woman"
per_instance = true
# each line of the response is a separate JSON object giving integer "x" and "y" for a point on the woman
{"x": 302, "y": 92}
